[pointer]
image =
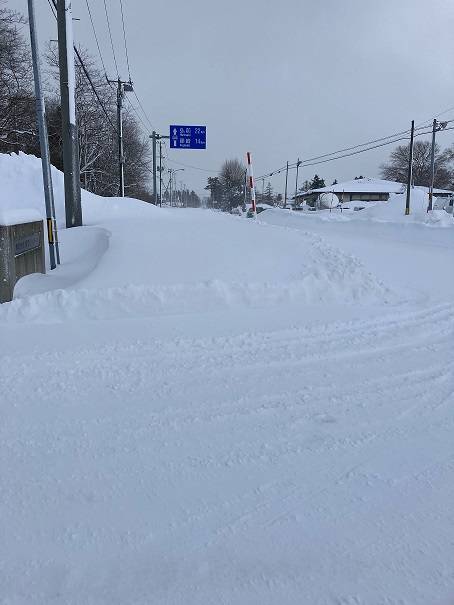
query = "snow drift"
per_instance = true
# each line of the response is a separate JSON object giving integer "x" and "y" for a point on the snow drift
{"x": 133, "y": 259}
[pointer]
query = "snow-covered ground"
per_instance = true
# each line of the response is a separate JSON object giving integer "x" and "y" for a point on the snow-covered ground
{"x": 201, "y": 408}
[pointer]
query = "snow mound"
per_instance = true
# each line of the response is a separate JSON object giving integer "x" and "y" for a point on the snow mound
{"x": 324, "y": 276}
{"x": 394, "y": 211}
{"x": 17, "y": 217}
{"x": 22, "y": 194}
{"x": 131, "y": 260}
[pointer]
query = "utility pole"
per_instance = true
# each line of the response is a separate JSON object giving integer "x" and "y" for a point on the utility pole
{"x": 52, "y": 236}
{"x": 410, "y": 169}
{"x": 298, "y": 164}
{"x": 160, "y": 174}
{"x": 432, "y": 166}
{"x": 154, "y": 136}
{"x": 170, "y": 186}
{"x": 286, "y": 182}
{"x": 155, "y": 191}
{"x": 122, "y": 87}
{"x": 73, "y": 206}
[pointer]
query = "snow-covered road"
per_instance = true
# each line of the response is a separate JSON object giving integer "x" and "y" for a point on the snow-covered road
{"x": 198, "y": 408}
{"x": 309, "y": 465}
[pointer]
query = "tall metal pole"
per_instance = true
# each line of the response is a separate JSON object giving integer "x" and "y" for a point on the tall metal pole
{"x": 170, "y": 186}
{"x": 121, "y": 156}
{"x": 432, "y": 167}
{"x": 122, "y": 87}
{"x": 155, "y": 189}
{"x": 410, "y": 169}
{"x": 286, "y": 182}
{"x": 71, "y": 167}
{"x": 52, "y": 236}
{"x": 160, "y": 173}
{"x": 298, "y": 163}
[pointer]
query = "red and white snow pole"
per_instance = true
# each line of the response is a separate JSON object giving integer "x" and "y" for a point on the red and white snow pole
{"x": 251, "y": 182}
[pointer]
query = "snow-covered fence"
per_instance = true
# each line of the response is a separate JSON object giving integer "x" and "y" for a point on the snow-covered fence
{"x": 21, "y": 253}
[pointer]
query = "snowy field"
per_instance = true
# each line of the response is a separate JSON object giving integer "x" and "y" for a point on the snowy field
{"x": 202, "y": 409}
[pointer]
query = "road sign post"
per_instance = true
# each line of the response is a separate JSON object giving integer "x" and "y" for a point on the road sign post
{"x": 188, "y": 137}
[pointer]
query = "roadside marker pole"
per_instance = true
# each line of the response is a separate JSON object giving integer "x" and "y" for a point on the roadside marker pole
{"x": 251, "y": 183}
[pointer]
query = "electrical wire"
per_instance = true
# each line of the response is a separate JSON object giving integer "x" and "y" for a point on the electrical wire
{"x": 139, "y": 117}
{"x": 124, "y": 38}
{"x": 96, "y": 37}
{"x": 308, "y": 162}
{"x": 370, "y": 148}
{"x": 111, "y": 39}
{"x": 87, "y": 75}
{"x": 143, "y": 111}
{"x": 193, "y": 167}
{"x": 52, "y": 7}
{"x": 325, "y": 155}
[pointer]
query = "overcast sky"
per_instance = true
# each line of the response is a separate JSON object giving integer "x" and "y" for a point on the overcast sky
{"x": 288, "y": 79}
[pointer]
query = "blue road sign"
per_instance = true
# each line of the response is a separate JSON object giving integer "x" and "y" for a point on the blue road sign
{"x": 188, "y": 137}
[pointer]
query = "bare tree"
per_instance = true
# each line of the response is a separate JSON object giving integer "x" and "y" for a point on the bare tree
{"x": 98, "y": 149}
{"x": 17, "y": 108}
{"x": 231, "y": 177}
{"x": 397, "y": 166}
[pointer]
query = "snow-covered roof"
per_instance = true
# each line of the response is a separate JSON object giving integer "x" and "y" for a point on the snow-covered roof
{"x": 367, "y": 185}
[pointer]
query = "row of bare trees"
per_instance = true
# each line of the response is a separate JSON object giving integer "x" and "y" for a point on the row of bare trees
{"x": 97, "y": 135}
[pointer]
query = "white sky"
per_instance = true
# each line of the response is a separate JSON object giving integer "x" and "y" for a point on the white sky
{"x": 283, "y": 80}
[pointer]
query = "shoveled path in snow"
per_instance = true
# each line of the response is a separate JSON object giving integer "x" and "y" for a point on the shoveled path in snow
{"x": 311, "y": 465}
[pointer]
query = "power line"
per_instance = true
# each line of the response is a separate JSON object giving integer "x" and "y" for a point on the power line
{"x": 124, "y": 38}
{"x": 346, "y": 155}
{"x": 96, "y": 37}
{"x": 308, "y": 162}
{"x": 87, "y": 75}
{"x": 193, "y": 167}
{"x": 143, "y": 111}
{"x": 111, "y": 40}
{"x": 138, "y": 116}
{"x": 373, "y": 147}
{"x": 442, "y": 113}
{"x": 52, "y": 8}
{"x": 325, "y": 155}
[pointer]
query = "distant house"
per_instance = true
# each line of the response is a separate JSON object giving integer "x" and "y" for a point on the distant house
{"x": 364, "y": 190}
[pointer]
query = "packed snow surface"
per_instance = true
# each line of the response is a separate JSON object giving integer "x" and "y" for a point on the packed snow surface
{"x": 201, "y": 408}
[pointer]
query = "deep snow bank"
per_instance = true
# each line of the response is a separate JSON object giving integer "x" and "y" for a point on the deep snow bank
{"x": 135, "y": 260}
{"x": 188, "y": 262}
{"x": 22, "y": 191}
{"x": 392, "y": 211}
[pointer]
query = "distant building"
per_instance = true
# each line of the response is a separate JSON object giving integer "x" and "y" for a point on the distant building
{"x": 364, "y": 190}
